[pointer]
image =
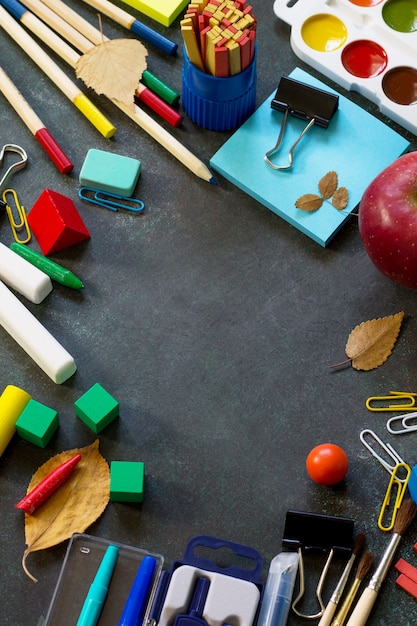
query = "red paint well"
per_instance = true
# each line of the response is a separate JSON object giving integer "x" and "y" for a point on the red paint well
{"x": 364, "y": 58}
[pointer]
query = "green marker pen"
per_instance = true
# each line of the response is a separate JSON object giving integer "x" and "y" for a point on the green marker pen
{"x": 49, "y": 267}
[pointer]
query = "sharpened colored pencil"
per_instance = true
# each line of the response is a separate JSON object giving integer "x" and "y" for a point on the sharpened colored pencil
{"x": 34, "y": 124}
{"x": 137, "y": 115}
{"x": 135, "y": 26}
{"x": 54, "y": 72}
{"x": 83, "y": 41}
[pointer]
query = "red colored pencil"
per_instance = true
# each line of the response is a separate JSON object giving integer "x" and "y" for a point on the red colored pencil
{"x": 34, "y": 124}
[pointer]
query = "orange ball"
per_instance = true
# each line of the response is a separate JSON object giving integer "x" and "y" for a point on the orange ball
{"x": 327, "y": 464}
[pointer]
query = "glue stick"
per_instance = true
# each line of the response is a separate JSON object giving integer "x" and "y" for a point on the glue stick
{"x": 12, "y": 402}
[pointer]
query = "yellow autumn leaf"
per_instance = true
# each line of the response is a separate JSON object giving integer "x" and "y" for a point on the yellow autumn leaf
{"x": 114, "y": 68}
{"x": 370, "y": 344}
{"x": 309, "y": 202}
{"x": 328, "y": 185}
{"x": 74, "y": 506}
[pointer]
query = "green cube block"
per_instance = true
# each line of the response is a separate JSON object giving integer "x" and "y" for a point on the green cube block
{"x": 126, "y": 481}
{"x": 96, "y": 408}
{"x": 110, "y": 172}
{"x": 37, "y": 423}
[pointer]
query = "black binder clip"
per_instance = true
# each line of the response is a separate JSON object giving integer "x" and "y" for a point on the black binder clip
{"x": 315, "y": 532}
{"x": 305, "y": 102}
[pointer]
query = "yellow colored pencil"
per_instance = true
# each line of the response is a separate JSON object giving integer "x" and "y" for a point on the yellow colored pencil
{"x": 137, "y": 115}
{"x": 54, "y": 72}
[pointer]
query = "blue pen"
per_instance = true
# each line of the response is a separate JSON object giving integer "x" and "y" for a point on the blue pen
{"x": 136, "y": 602}
{"x": 94, "y": 602}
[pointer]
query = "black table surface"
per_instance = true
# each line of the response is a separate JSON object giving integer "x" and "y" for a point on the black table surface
{"x": 213, "y": 323}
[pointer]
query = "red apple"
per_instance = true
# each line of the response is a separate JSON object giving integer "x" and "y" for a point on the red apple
{"x": 388, "y": 220}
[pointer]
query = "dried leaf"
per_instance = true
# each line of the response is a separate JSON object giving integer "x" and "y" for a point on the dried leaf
{"x": 328, "y": 185}
{"x": 340, "y": 198}
{"x": 76, "y": 504}
{"x": 370, "y": 344}
{"x": 114, "y": 68}
{"x": 309, "y": 202}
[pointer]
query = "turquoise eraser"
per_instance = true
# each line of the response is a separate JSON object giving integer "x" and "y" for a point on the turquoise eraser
{"x": 37, "y": 423}
{"x": 126, "y": 481}
{"x": 110, "y": 172}
{"x": 96, "y": 408}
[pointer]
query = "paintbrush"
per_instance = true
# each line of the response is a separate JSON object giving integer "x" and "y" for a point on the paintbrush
{"x": 406, "y": 514}
{"x": 363, "y": 568}
{"x": 333, "y": 602}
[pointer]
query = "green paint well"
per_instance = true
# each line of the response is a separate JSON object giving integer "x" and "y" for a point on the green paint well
{"x": 401, "y": 15}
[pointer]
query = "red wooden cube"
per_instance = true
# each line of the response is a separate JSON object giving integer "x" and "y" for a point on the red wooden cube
{"x": 55, "y": 222}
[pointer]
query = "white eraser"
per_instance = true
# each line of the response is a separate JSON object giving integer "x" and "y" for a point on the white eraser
{"x": 22, "y": 276}
{"x": 29, "y": 333}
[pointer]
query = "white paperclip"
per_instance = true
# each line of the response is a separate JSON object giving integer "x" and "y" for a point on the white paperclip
{"x": 388, "y": 449}
{"x": 404, "y": 426}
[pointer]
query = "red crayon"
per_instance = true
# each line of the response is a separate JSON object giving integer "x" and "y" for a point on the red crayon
{"x": 39, "y": 494}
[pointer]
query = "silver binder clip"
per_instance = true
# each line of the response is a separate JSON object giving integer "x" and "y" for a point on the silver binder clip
{"x": 304, "y": 102}
{"x": 316, "y": 532}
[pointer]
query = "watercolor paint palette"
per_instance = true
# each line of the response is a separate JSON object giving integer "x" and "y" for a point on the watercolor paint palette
{"x": 368, "y": 46}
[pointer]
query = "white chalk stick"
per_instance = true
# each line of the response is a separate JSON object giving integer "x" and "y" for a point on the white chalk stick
{"x": 29, "y": 333}
{"x": 23, "y": 276}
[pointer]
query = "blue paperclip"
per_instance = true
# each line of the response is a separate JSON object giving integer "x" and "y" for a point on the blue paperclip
{"x": 109, "y": 200}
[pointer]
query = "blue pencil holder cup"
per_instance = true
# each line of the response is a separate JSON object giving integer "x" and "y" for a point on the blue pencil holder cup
{"x": 218, "y": 103}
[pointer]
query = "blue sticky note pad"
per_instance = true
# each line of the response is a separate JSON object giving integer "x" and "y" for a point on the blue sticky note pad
{"x": 356, "y": 145}
{"x": 110, "y": 172}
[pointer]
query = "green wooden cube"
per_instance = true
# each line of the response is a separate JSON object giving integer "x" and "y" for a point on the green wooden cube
{"x": 37, "y": 423}
{"x": 96, "y": 408}
{"x": 127, "y": 481}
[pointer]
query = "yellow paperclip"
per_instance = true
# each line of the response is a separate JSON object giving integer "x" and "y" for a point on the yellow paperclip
{"x": 401, "y": 486}
{"x": 21, "y": 213}
{"x": 397, "y": 395}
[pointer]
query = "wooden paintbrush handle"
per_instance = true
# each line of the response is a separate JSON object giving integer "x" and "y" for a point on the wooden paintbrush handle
{"x": 327, "y": 616}
{"x": 363, "y": 608}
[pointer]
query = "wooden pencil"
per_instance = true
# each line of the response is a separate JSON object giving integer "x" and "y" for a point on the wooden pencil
{"x": 33, "y": 122}
{"x": 140, "y": 29}
{"x": 54, "y": 72}
{"x": 142, "y": 119}
{"x": 77, "y": 39}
